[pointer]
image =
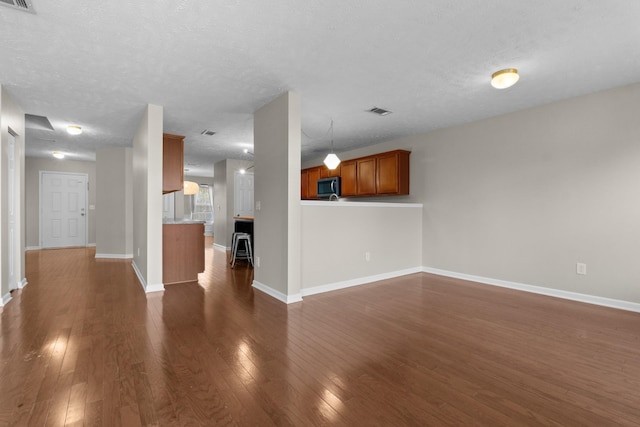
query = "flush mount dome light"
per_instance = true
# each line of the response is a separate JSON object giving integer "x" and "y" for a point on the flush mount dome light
{"x": 58, "y": 154}
{"x": 74, "y": 130}
{"x": 504, "y": 78}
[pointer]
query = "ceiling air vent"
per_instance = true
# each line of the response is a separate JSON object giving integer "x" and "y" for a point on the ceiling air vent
{"x": 19, "y": 4}
{"x": 204, "y": 132}
{"x": 380, "y": 111}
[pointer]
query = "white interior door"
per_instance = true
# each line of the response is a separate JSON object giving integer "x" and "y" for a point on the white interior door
{"x": 243, "y": 194}
{"x": 63, "y": 200}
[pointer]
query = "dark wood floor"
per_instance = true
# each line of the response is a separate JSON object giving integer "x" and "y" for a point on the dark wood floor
{"x": 83, "y": 345}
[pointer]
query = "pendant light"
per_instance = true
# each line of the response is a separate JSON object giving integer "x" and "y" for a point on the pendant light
{"x": 331, "y": 161}
{"x": 190, "y": 188}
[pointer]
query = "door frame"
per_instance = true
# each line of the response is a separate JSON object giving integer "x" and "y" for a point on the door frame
{"x": 86, "y": 203}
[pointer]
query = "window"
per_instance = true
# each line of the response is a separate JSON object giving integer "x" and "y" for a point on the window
{"x": 203, "y": 204}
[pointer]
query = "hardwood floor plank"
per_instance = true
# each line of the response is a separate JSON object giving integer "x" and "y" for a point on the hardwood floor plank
{"x": 83, "y": 345}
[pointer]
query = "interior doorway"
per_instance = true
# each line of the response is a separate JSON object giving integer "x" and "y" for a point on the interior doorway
{"x": 63, "y": 209}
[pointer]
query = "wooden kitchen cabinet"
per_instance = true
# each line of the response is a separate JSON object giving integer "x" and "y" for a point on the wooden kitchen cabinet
{"x": 309, "y": 183}
{"x": 348, "y": 178}
{"x": 392, "y": 173}
{"x": 182, "y": 252}
{"x": 172, "y": 162}
{"x": 325, "y": 172}
{"x": 366, "y": 176}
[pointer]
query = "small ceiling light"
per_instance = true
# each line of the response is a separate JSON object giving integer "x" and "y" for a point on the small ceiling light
{"x": 191, "y": 188}
{"x": 331, "y": 161}
{"x": 504, "y": 78}
{"x": 243, "y": 171}
{"x": 58, "y": 154}
{"x": 74, "y": 130}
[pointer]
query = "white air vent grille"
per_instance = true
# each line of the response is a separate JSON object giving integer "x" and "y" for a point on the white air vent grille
{"x": 380, "y": 111}
{"x": 19, "y": 4}
{"x": 207, "y": 132}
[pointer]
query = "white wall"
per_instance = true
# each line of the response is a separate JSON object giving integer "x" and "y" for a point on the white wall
{"x": 147, "y": 199}
{"x": 223, "y": 199}
{"x": 11, "y": 116}
{"x": 114, "y": 203}
{"x": 524, "y": 196}
{"x": 277, "y": 135}
{"x": 338, "y": 235}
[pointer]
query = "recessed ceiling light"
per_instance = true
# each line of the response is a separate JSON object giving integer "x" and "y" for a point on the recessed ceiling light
{"x": 380, "y": 111}
{"x": 58, "y": 154}
{"x": 504, "y": 78}
{"x": 74, "y": 130}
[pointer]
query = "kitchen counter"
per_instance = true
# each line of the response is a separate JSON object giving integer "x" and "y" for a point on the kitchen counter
{"x": 182, "y": 251}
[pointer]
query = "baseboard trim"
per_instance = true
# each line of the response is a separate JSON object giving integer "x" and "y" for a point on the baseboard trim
{"x": 22, "y": 283}
{"x": 155, "y": 287}
{"x": 287, "y": 299}
{"x": 115, "y": 256}
{"x": 573, "y": 296}
{"x": 222, "y": 247}
{"x": 32, "y": 248}
{"x": 91, "y": 245}
{"x": 5, "y": 299}
{"x": 359, "y": 281}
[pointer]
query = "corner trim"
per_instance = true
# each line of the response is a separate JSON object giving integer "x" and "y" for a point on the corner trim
{"x": 359, "y": 281}
{"x": 115, "y": 256}
{"x": 287, "y": 299}
{"x": 145, "y": 287}
{"x": 573, "y": 296}
{"x": 5, "y": 299}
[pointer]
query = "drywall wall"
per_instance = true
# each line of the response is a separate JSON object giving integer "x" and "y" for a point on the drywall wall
{"x": 11, "y": 119}
{"x": 277, "y": 135}
{"x": 114, "y": 203}
{"x": 147, "y": 199}
{"x": 33, "y": 167}
{"x": 524, "y": 197}
{"x": 349, "y": 243}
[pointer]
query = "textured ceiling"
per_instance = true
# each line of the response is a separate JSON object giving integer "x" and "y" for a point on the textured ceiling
{"x": 211, "y": 64}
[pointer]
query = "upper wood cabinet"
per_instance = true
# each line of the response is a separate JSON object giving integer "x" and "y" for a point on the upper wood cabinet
{"x": 172, "y": 162}
{"x": 325, "y": 172}
{"x": 392, "y": 173}
{"x": 383, "y": 174}
{"x": 366, "y": 173}
{"x": 348, "y": 178}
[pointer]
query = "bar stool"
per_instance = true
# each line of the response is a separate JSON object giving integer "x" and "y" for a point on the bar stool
{"x": 236, "y": 252}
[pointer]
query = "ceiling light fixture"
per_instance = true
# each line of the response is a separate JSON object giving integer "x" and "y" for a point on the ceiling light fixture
{"x": 58, "y": 154}
{"x": 331, "y": 161}
{"x": 190, "y": 188}
{"x": 74, "y": 130}
{"x": 504, "y": 78}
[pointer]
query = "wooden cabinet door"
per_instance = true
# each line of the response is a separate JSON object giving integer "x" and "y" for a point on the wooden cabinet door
{"x": 348, "y": 178}
{"x": 392, "y": 175}
{"x": 304, "y": 184}
{"x": 325, "y": 172}
{"x": 172, "y": 162}
{"x": 312, "y": 187}
{"x": 366, "y": 170}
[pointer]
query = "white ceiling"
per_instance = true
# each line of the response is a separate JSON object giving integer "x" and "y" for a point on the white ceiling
{"x": 211, "y": 64}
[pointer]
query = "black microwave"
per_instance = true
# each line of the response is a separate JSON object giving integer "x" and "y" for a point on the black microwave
{"x": 328, "y": 186}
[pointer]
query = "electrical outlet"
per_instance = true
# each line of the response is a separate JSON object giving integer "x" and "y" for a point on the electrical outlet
{"x": 257, "y": 261}
{"x": 367, "y": 256}
{"x": 581, "y": 268}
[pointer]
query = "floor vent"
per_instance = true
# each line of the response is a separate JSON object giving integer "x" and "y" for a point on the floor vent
{"x": 380, "y": 111}
{"x": 24, "y": 5}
